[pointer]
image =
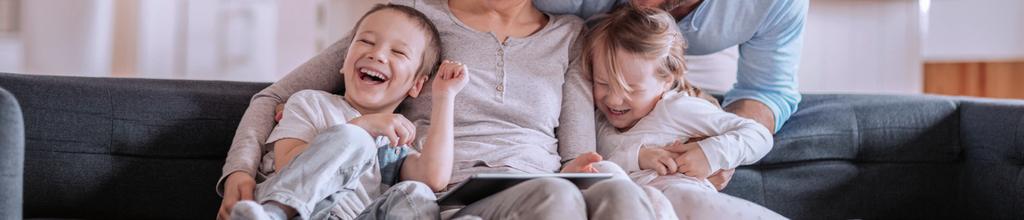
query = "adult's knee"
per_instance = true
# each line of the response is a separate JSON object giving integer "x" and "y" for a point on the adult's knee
{"x": 611, "y": 167}
{"x": 616, "y": 199}
{"x": 552, "y": 197}
{"x": 555, "y": 187}
{"x": 615, "y": 190}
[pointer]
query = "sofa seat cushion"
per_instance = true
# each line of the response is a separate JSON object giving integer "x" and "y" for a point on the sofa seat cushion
{"x": 869, "y": 128}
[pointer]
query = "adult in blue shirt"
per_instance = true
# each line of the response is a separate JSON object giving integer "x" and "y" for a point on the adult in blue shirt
{"x": 769, "y": 34}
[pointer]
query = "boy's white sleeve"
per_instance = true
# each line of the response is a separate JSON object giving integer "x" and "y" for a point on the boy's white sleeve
{"x": 297, "y": 120}
{"x": 731, "y": 140}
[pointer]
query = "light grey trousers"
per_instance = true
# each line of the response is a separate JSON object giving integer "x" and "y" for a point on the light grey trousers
{"x": 555, "y": 198}
{"x": 334, "y": 179}
{"x": 325, "y": 182}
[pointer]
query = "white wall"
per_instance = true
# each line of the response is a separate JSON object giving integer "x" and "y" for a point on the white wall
{"x": 159, "y": 44}
{"x": 66, "y": 37}
{"x": 296, "y": 34}
{"x": 973, "y": 30}
{"x": 864, "y": 46}
{"x": 305, "y": 27}
{"x": 231, "y": 40}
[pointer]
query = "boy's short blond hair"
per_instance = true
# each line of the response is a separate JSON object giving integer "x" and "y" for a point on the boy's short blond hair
{"x": 431, "y": 54}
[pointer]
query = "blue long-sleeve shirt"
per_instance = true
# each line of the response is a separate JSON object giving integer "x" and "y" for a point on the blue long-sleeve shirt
{"x": 769, "y": 34}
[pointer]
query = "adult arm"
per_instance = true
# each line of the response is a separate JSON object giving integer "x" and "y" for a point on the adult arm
{"x": 321, "y": 73}
{"x": 576, "y": 131}
{"x": 582, "y": 8}
{"x": 766, "y": 78}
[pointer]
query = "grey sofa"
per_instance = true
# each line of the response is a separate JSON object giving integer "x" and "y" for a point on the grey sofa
{"x": 112, "y": 148}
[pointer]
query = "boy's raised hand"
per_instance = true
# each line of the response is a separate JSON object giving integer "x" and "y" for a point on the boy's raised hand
{"x": 691, "y": 159}
{"x": 658, "y": 159}
{"x": 398, "y": 129}
{"x": 451, "y": 77}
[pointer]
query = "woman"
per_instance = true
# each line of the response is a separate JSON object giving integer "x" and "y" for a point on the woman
{"x": 524, "y": 111}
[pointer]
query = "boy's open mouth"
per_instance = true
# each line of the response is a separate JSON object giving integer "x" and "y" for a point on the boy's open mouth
{"x": 372, "y": 76}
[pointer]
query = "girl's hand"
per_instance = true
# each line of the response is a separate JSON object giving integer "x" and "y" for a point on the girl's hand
{"x": 451, "y": 77}
{"x": 658, "y": 159}
{"x": 583, "y": 163}
{"x": 398, "y": 129}
{"x": 238, "y": 186}
{"x": 691, "y": 159}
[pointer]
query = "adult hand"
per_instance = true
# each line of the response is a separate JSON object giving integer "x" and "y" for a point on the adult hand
{"x": 658, "y": 159}
{"x": 721, "y": 178}
{"x": 747, "y": 108}
{"x": 583, "y": 163}
{"x": 278, "y": 112}
{"x": 238, "y": 186}
{"x": 396, "y": 127}
{"x": 691, "y": 160}
{"x": 450, "y": 79}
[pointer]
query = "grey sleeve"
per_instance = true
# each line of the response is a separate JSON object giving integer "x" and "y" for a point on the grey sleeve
{"x": 319, "y": 73}
{"x": 576, "y": 131}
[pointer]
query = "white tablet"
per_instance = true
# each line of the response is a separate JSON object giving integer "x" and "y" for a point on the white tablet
{"x": 482, "y": 185}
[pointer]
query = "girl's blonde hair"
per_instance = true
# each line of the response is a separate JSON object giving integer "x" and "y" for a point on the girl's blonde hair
{"x": 650, "y": 33}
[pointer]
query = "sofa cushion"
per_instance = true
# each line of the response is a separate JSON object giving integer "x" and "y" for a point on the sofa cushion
{"x": 861, "y": 156}
{"x": 125, "y": 148}
{"x": 869, "y": 128}
{"x": 993, "y": 139}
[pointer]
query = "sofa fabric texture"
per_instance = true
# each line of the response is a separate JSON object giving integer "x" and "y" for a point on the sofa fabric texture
{"x": 102, "y": 148}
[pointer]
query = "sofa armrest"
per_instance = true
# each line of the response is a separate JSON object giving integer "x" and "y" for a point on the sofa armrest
{"x": 12, "y": 156}
{"x": 993, "y": 138}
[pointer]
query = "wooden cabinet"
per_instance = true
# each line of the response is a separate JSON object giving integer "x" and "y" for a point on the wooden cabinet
{"x": 999, "y": 79}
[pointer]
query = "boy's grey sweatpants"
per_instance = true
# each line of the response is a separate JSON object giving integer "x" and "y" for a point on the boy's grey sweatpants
{"x": 334, "y": 179}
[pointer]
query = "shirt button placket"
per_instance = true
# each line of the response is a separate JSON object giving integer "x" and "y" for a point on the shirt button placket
{"x": 501, "y": 70}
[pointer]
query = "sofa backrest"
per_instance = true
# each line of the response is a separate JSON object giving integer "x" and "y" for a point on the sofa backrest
{"x": 893, "y": 157}
{"x": 117, "y": 148}
{"x": 104, "y": 148}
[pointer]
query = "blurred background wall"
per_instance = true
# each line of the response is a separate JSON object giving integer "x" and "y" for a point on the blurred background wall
{"x": 960, "y": 47}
